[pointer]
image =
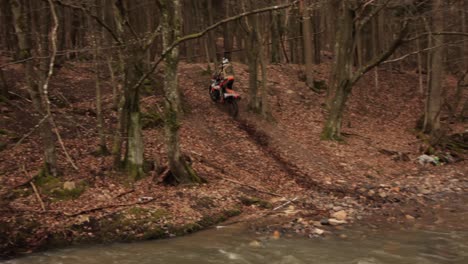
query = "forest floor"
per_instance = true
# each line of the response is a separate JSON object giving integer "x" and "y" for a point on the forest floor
{"x": 276, "y": 174}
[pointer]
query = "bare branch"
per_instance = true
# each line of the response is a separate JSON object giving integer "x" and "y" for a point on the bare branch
{"x": 89, "y": 13}
{"x": 461, "y": 34}
{"x": 204, "y": 32}
{"x": 381, "y": 57}
{"x": 374, "y": 12}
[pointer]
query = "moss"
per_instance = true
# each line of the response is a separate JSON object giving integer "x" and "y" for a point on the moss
{"x": 154, "y": 233}
{"x": 205, "y": 202}
{"x": 53, "y": 187}
{"x": 3, "y": 99}
{"x": 101, "y": 151}
{"x": 134, "y": 171}
{"x": 62, "y": 194}
{"x": 320, "y": 85}
{"x": 233, "y": 212}
{"x": 136, "y": 211}
{"x": 23, "y": 192}
{"x": 248, "y": 201}
{"x": 171, "y": 120}
{"x": 3, "y": 146}
{"x": 151, "y": 119}
{"x": 158, "y": 214}
{"x": 194, "y": 178}
{"x": 46, "y": 180}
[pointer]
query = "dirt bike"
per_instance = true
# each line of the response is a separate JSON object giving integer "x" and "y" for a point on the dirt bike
{"x": 230, "y": 97}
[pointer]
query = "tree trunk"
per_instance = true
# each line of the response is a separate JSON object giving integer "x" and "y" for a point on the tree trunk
{"x": 131, "y": 62}
{"x": 342, "y": 62}
{"x": 171, "y": 21}
{"x": 434, "y": 100}
{"x": 264, "y": 110}
{"x": 308, "y": 43}
{"x": 228, "y": 32}
{"x": 24, "y": 46}
{"x": 3, "y": 86}
{"x": 211, "y": 36}
{"x": 102, "y": 148}
{"x": 253, "y": 46}
{"x": 275, "y": 37}
{"x": 317, "y": 39}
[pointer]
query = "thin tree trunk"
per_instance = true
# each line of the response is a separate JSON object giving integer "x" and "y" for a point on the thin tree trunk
{"x": 264, "y": 111}
{"x": 317, "y": 38}
{"x": 24, "y": 45}
{"x": 3, "y": 86}
{"x": 420, "y": 66}
{"x": 275, "y": 37}
{"x": 102, "y": 148}
{"x": 434, "y": 100}
{"x": 308, "y": 44}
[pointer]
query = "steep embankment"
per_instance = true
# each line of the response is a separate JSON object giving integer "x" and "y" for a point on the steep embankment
{"x": 251, "y": 165}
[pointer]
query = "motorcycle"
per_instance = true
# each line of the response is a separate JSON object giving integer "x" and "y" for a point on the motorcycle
{"x": 230, "y": 96}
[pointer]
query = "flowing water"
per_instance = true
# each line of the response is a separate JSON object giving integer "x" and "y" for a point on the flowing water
{"x": 234, "y": 244}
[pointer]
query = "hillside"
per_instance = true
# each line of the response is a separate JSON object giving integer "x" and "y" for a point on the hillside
{"x": 252, "y": 166}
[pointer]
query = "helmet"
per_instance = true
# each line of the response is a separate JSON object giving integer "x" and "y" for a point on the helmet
{"x": 225, "y": 61}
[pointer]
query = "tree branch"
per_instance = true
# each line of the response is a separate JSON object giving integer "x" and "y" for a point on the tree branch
{"x": 445, "y": 33}
{"x": 89, "y": 13}
{"x": 205, "y": 31}
{"x": 381, "y": 57}
{"x": 374, "y": 12}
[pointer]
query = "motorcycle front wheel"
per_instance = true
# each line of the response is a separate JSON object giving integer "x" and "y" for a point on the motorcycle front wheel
{"x": 233, "y": 108}
{"x": 214, "y": 94}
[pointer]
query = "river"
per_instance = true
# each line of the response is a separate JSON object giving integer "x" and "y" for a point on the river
{"x": 235, "y": 244}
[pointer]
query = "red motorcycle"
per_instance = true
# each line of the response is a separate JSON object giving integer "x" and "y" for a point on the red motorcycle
{"x": 230, "y": 96}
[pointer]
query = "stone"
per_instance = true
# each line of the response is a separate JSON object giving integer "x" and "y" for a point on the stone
{"x": 324, "y": 221}
{"x": 425, "y": 191}
{"x": 340, "y": 215}
{"x": 69, "y": 185}
{"x": 316, "y": 223}
{"x": 318, "y": 231}
{"x": 409, "y": 217}
{"x": 337, "y": 208}
{"x": 334, "y": 222}
{"x": 254, "y": 243}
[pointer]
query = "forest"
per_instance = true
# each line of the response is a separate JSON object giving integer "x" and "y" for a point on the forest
{"x": 118, "y": 122}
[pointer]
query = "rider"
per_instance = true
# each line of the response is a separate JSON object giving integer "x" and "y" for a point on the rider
{"x": 225, "y": 76}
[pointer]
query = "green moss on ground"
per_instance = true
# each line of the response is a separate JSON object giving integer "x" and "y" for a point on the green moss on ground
{"x": 248, "y": 201}
{"x": 53, "y": 187}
